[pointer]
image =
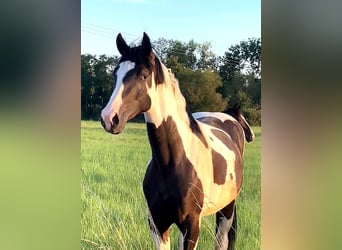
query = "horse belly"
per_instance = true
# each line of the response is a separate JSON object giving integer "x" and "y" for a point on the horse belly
{"x": 221, "y": 177}
{"x": 218, "y": 196}
{"x": 219, "y": 192}
{"x": 219, "y": 168}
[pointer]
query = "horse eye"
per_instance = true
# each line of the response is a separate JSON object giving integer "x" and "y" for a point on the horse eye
{"x": 144, "y": 77}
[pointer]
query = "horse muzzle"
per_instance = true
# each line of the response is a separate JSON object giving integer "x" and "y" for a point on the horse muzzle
{"x": 115, "y": 125}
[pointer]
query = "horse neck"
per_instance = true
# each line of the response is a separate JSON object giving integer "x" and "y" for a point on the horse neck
{"x": 167, "y": 122}
{"x": 167, "y": 101}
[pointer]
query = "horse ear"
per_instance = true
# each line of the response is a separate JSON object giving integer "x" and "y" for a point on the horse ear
{"x": 146, "y": 45}
{"x": 122, "y": 46}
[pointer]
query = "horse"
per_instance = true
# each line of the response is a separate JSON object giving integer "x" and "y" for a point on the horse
{"x": 196, "y": 164}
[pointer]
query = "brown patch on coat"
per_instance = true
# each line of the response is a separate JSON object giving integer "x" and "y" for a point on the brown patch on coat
{"x": 222, "y": 136}
{"x": 235, "y": 132}
{"x": 220, "y": 167}
{"x": 231, "y": 127}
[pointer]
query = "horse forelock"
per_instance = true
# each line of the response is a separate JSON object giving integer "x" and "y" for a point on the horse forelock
{"x": 150, "y": 62}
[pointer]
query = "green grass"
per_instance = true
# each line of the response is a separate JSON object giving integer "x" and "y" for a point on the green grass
{"x": 113, "y": 209}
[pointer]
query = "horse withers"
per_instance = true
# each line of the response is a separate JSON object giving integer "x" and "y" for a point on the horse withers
{"x": 196, "y": 164}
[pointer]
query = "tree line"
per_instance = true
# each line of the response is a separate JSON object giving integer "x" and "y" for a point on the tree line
{"x": 208, "y": 82}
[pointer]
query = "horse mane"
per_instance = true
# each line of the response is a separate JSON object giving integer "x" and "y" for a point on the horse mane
{"x": 178, "y": 94}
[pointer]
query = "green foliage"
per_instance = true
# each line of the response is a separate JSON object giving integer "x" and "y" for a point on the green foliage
{"x": 199, "y": 89}
{"x": 245, "y": 56}
{"x": 240, "y": 70}
{"x": 178, "y": 55}
{"x": 113, "y": 209}
{"x": 96, "y": 83}
{"x": 250, "y": 52}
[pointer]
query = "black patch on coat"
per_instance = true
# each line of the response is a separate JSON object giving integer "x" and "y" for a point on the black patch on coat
{"x": 220, "y": 167}
{"x": 236, "y": 113}
{"x": 226, "y": 140}
{"x": 197, "y": 130}
{"x": 232, "y": 128}
{"x": 235, "y": 132}
{"x": 171, "y": 186}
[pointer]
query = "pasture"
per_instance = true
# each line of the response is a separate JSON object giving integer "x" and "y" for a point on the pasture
{"x": 113, "y": 209}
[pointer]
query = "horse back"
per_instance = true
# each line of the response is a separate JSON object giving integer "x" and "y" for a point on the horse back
{"x": 226, "y": 123}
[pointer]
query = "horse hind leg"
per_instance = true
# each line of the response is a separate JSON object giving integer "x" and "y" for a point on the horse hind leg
{"x": 232, "y": 231}
{"x": 226, "y": 227}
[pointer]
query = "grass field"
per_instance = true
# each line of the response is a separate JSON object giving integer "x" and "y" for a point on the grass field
{"x": 113, "y": 209}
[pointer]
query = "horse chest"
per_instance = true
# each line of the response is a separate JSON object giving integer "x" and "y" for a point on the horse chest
{"x": 170, "y": 193}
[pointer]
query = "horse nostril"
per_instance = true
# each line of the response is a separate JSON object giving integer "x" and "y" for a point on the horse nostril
{"x": 115, "y": 121}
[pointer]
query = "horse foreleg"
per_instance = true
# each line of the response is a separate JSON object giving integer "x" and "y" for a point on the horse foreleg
{"x": 188, "y": 237}
{"x": 162, "y": 241}
{"x": 226, "y": 228}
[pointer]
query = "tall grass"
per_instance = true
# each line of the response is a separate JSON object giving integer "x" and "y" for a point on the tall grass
{"x": 113, "y": 209}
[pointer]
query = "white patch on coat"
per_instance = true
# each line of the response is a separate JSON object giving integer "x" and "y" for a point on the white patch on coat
{"x": 167, "y": 101}
{"x": 115, "y": 100}
{"x": 221, "y": 116}
{"x": 216, "y": 196}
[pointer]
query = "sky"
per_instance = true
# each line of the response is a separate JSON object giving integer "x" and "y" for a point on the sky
{"x": 221, "y": 22}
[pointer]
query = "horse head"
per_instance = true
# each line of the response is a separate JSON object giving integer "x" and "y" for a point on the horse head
{"x": 138, "y": 71}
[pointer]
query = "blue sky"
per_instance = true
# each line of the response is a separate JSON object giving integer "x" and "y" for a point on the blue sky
{"x": 221, "y": 22}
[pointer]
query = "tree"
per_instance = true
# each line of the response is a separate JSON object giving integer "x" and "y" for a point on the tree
{"x": 250, "y": 53}
{"x": 178, "y": 55}
{"x": 96, "y": 83}
{"x": 87, "y": 84}
{"x": 199, "y": 89}
{"x": 207, "y": 59}
{"x": 245, "y": 56}
{"x": 240, "y": 70}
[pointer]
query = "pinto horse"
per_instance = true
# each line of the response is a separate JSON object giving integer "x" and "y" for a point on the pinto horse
{"x": 196, "y": 164}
